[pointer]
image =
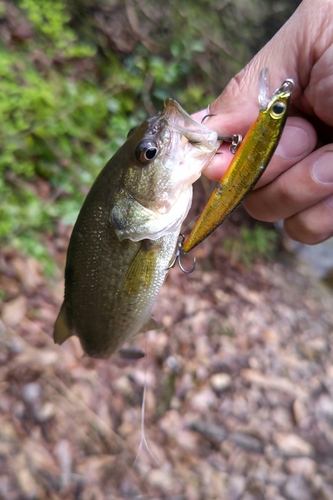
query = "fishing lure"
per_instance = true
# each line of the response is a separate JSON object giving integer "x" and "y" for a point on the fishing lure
{"x": 249, "y": 163}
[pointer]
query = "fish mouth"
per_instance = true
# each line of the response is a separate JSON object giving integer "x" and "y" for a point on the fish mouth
{"x": 196, "y": 133}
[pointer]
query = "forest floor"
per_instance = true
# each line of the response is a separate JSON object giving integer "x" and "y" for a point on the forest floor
{"x": 239, "y": 389}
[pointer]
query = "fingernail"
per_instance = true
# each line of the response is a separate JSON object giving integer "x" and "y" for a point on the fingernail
{"x": 294, "y": 142}
{"x": 322, "y": 169}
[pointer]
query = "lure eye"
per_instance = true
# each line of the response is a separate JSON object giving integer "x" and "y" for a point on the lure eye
{"x": 278, "y": 109}
{"x": 146, "y": 151}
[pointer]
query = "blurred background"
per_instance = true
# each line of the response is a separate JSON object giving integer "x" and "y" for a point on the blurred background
{"x": 77, "y": 75}
{"x": 240, "y": 380}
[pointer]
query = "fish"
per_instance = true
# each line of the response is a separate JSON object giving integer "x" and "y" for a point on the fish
{"x": 127, "y": 231}
{"x": 249, "y": 163}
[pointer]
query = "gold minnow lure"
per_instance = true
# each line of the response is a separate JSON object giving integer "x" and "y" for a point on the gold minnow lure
{"x": 249, "y": 162}
{"x": 127, "y": 230}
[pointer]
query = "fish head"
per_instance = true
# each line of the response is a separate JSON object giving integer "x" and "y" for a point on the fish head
{"x": 170, "y": 150}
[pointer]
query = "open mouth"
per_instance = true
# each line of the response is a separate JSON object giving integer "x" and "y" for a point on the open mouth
{"x": 194, "y": 132}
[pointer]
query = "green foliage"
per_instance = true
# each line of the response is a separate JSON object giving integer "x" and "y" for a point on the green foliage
{"x": 49, "y": 20}
{"x": 252, "y": 244}
{"x": 54, "y": 128}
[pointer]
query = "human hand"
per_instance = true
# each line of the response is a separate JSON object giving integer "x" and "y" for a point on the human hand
{"x": 298, "y": 183}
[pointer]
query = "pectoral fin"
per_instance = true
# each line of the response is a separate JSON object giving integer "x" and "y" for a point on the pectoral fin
{"x": 141, "y": 270}
{"x": 62, "y": 330}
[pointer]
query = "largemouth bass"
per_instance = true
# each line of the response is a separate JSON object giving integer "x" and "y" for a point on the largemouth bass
{"x": 127, "y": 230}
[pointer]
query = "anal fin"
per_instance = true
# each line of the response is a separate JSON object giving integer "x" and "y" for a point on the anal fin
{"x": 62, "y": 330}
{"x": 151, "y": 324}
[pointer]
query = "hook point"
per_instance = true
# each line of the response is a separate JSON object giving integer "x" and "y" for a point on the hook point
{"x": 177, "y": 257}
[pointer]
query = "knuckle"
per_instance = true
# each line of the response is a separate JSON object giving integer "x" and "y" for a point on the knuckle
{"x": 304, "y": 230}
{"x": 241, "y": 88}
{"x": 285, "y": 194}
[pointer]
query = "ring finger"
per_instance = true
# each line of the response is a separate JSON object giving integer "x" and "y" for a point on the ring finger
{"x": 313, "y": 225}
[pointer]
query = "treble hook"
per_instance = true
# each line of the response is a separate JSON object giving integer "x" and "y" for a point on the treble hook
{"x": 205, "y": 117}
{"x": 177, "y": 257}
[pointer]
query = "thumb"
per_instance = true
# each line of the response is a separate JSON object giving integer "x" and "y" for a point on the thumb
{"x": 237, "y": 107}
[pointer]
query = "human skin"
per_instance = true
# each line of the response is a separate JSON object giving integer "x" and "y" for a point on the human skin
{"x": 297, "y": 186}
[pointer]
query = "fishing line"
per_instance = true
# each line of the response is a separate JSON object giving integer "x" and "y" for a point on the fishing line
{"x": 143, "y": 441}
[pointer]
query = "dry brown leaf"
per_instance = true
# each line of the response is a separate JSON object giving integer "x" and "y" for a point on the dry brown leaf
{"x": 291, "y": 444}
{"x": 14, "y": 310}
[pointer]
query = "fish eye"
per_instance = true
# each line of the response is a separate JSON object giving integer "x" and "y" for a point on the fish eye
{"x": 131, "y": 131}
{"x": 146, "y": 151}
{"x": 278, "y": 109}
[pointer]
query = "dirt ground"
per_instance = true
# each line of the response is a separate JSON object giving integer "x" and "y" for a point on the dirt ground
{"x": 239, "y": 389}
